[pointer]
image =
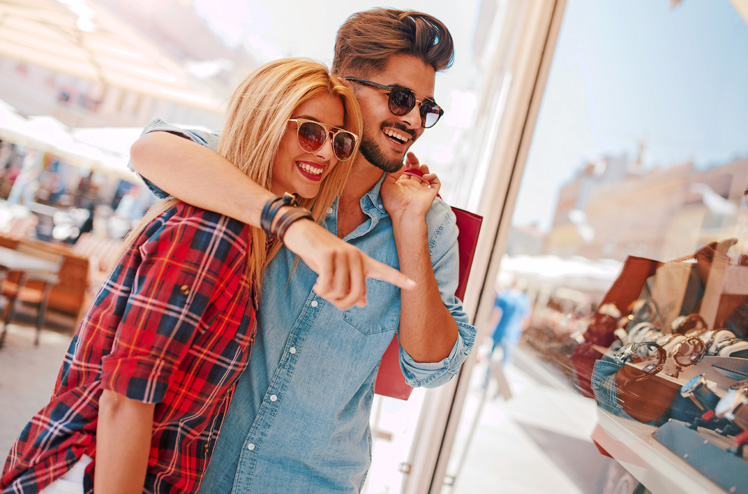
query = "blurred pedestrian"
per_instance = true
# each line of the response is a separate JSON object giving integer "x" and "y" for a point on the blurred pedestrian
{"x": 511, "y": 311}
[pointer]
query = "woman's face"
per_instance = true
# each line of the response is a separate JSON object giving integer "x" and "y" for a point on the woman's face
{"x": 298, "y": 171}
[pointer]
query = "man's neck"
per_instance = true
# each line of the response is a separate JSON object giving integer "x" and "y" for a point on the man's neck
{"x": 362, "y": 178}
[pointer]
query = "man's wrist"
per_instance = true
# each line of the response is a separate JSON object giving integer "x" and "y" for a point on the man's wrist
{"x": 408, "y": 220}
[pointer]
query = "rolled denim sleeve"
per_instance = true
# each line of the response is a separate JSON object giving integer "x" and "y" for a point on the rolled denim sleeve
{"x": 446, "y": 263}
{"x": 202, "y": 137}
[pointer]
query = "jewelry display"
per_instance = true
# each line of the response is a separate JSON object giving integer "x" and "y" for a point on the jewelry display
{"x": 687, "y": 353}
{"x": 697, "y": 389}
{"x": 714, "y": 337}
{"x": 672, "y": 388}
{"x": 734, "y": 405}
{"x": 690, "y": 325}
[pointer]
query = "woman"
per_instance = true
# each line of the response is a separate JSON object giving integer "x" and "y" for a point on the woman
{"x": 149, "y": 375}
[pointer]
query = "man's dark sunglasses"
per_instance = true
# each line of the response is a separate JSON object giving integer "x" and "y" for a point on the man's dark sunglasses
{"x": 402, "y": 100}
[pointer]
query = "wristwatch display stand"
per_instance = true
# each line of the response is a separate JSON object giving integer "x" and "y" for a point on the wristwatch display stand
{"x": 693, "y": 440}
{"x": 673, "y": 458}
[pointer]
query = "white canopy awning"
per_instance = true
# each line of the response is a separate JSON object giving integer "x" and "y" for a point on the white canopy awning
{"x": 77, "y": 38}
{"x": 47, "y": 134}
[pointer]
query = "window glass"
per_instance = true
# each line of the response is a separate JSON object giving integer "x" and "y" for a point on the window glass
{"x": 639, "y": 150}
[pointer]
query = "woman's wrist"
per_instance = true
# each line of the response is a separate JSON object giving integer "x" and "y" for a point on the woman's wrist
{"x": 279, "y": 213}
{"x": 270, "y": 211}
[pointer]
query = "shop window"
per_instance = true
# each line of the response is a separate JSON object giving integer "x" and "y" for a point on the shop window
{"x": 639, "y": 151}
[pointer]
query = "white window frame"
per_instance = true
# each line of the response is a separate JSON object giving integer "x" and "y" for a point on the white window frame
{"x": 518, "y": 73}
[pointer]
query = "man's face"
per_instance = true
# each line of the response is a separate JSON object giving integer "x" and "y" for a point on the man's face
{"x": 388, "y": 137}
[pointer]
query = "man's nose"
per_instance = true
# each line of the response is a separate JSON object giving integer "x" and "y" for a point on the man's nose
{"x": 413, "y": 117}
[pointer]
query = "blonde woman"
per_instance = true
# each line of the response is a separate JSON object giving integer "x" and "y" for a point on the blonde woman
{"x": 150, "y": 373}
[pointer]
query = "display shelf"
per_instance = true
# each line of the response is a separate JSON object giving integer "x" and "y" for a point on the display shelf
{"x": 710, "y": 453}
{"x": 660, "y": 470}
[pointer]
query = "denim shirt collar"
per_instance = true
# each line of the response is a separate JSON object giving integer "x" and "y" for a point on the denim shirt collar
{"x": 371, "y": 202}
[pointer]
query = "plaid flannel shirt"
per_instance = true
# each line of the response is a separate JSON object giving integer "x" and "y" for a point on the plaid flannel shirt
{"x": 173, "y": 325}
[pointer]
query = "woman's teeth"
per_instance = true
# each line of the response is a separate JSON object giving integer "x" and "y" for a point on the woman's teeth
{"x": 313, "y": 170}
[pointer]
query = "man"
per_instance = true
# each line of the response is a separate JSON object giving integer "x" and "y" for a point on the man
{"x": 299, "y": 420}
{"x": 511, "y": 312}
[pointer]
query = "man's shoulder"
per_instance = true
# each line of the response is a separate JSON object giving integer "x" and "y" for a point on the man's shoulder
{"x": 441, "y": 213}
{"x": 200, "y": 135}
{"x": 441, "y": 223}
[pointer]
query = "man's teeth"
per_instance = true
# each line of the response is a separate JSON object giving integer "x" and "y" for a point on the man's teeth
{"x": 396, "y": 135}
{"x": 311, "y": 169}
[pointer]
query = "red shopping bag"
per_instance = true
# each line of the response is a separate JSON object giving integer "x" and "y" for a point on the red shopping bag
{"x": 390, "y": 380}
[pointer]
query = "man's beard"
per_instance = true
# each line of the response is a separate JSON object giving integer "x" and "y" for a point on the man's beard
{"x": 374, "y": 155}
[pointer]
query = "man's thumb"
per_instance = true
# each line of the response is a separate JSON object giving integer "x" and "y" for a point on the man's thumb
{"x": 411, "y": 160}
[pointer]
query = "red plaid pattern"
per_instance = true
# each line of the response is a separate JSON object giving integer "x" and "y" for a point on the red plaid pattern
{"x": 173, "y": 325}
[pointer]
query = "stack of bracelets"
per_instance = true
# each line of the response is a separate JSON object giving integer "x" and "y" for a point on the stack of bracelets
{"x": 287, "y": 218}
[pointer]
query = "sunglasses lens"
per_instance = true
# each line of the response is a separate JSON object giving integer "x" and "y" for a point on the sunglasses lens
{"x": 401, "y": 100}
{"x": 311, "y": 136}
{"x": 343, "y": 145}
{"x": 430, "y": 113}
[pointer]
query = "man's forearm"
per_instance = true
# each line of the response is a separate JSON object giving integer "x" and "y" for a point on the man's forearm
{"x": 198, "y": 175}
{"x": 123, "y": 441}
{"x": 427, "y": 329}
{"x": 203, "y": 178}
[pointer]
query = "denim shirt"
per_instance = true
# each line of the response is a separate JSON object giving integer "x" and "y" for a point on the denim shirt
{"x": 299, "y": 420}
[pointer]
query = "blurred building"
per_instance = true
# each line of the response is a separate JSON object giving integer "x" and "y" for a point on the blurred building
{"x": 614, "y": 208}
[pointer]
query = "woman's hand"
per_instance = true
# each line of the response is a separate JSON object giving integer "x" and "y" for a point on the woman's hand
{"x": 409, "y": 193}
{"x": 342, "y": 268}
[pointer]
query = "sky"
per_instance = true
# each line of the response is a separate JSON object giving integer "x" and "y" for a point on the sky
{"x": 629, "y": 70}
{"x": 623, "y": 71}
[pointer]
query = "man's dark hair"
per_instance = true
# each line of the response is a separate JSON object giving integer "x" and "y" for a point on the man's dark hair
{"x": 367, "y": 40}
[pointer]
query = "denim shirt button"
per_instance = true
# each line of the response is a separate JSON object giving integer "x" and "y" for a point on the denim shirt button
{"x": 251, "y": 446}
{"x": 292, "y": 350}
{"x": 273, "y": 398}
{"x": 329, "y": 210}
{"x": 314, "y": 303}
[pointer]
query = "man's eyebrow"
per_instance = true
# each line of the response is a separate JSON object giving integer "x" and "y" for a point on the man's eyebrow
{"x": 395, "y": 84}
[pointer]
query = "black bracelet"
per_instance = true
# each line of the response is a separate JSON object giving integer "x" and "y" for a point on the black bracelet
{"x": 289, "y": 218}
{"x": 270, "y": 209}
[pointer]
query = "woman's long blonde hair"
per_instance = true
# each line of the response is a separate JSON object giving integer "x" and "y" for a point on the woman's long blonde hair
{"x": 256, "y": 121}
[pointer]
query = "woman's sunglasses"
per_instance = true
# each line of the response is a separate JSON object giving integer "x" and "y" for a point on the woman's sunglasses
{"x": 402, "y": 100}
{"x": 313, "y": 135}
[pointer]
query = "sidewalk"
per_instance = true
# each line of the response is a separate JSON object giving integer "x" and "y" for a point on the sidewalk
{"x": 536, "y": 442}
{"x": 27, "y": 376}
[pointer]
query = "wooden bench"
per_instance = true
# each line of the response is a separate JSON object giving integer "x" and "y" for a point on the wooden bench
{"x": 70, "y": 295}
{"x": 102, "y": 253}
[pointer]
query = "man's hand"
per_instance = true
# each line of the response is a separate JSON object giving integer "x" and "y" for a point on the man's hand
{"x": 410, "y": 192}
{"x": 342, "y": 268}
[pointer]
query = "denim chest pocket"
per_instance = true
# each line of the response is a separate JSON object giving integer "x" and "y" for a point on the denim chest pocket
{"x": 382, "y": 312}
